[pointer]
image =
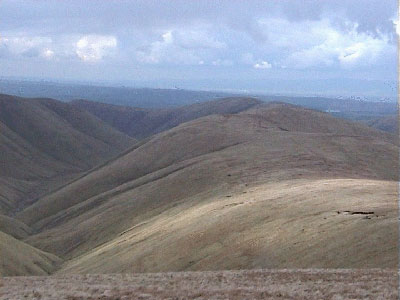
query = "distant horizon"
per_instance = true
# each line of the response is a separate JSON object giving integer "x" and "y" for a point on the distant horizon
{"x": 245, "y": 92}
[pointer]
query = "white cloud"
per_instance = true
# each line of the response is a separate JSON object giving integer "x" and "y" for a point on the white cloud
{"x": 365, "y": 52}
{"x": 197, "y": 39}
{"x": 92, "y": 48}
{"x": 167, "y": 37}
{"x": 396, "y": 24}
{"x": 48, "y": 53}
{"x": 192, "y": 46}
{"x": 329, "y": 46}
{"x": 263, "y": 65}
{"x": 89, "y": 48}
{"x": 25, "y": 46}
{"x": 157, "y": 51}
{"x": 222, "y": 62}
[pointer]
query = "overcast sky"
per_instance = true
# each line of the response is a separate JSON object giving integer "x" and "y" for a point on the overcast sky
{"x": 272, "y": 46}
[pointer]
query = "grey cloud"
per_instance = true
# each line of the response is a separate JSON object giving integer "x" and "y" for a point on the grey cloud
{"x": 110, "y": 15}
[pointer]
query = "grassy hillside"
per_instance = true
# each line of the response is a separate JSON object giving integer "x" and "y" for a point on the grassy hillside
{"x": 45, "y": 143}
{"x": 140, "y": 123}
{"x": 13, "y": 227}
{"x": 61, "y": 131}
{"x": 258, "y": 284}
{"x": 272, "y": 186}
{"x": 18, "y": 258}
{"x": 388, "y": 123}
{"x": 26, "y": 172}
{"x": 332, "y": 223}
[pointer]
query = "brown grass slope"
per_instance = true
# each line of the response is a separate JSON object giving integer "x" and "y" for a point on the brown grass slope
{"x": 23, "y": 167}
{"x": 18, "y": 258}
{"x": 44, "y": 143}
{"x": 61, "y": 130}
{"x": 234, "y": 285}
{"x": 141, "y": 123}
{"x": 14, "y": 227}
{"x": 274, "y": 186}
{"x": 387, "y": 123}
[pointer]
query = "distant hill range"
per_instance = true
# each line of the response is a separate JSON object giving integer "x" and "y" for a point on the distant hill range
{"x": 171, "y": 98}
{"x": 136, "y": 97}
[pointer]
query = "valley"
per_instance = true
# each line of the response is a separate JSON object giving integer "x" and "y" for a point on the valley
{"x": 223, "y": 185}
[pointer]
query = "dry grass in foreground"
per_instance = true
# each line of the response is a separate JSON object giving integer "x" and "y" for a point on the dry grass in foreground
{"x": 253, "y": 284}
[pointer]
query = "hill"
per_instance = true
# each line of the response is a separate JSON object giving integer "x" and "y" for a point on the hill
{"x": 119, "y": 95}
{"x": 161, "y": 98}
{"x": 45, "y": 143}
{"x": 18, "y": 258}
{"x": 14, "y": 228}
{"x": 270, "y": 187}
{"x": 387, "y": 123}
{"x": 141, "y": 123}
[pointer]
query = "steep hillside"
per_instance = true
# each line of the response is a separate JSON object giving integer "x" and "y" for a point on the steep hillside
{"x": 140, "y": 123}
{"x": 334, "y": 223}
{"x": 18, "y": 258}
{"x": 23, "y": 167}
{"x": 388, "y": 123}
{"x": 13, "y": 227}
{"x": 273, "y": 186}
{"x": 45, "y": 143}
{"x": 61, "y": 131}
